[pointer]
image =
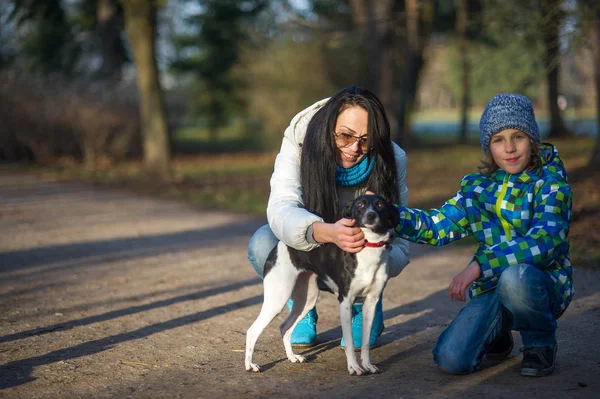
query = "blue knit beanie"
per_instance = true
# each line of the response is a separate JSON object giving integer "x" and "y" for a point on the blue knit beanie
{"x": 507, "y": 111}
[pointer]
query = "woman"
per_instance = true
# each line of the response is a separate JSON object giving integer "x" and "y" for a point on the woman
{"x": 332, "y": 151}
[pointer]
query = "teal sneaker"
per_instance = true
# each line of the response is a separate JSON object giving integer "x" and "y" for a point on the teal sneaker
{"x": 305, "y": 332}
{"x": 376, "y": 328}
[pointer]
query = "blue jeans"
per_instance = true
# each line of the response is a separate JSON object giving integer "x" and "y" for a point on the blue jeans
{"x": 525, "y": 295}
{"x": 260, "y": 246}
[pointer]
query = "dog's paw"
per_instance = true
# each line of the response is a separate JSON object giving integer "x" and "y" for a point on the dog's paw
{"x": 370, "y": 368}
{"x": 355, "y": 369}
{"x": 253, "y": 367}
{"x": 297, "y": 358}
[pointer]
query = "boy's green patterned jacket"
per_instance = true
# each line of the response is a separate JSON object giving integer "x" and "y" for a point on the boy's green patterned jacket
{"x": 521, "y": 218}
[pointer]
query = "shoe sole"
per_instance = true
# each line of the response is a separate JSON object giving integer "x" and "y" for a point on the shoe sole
{"x": 535, "y": 372}
{"x": 527, "y": 372}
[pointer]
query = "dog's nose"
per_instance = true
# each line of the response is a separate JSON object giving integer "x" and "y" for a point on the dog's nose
{"x": 371, "y": 216}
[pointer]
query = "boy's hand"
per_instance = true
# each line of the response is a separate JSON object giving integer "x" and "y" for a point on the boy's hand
{"x": 462, "y": 280}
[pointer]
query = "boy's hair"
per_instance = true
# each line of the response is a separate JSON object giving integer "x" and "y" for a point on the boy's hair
{"x": 487, "y": 166}
{"x": 319, "y": 153}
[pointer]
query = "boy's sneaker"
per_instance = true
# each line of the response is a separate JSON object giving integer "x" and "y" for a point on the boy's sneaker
{"x": 502, "y": 348}
{"x": 305, "y": 332}
{"x": 376, "y": 328}
{"x": 538, "y": 360}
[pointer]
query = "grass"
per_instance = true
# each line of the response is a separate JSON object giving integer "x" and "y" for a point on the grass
{"x": 239, "y": 182}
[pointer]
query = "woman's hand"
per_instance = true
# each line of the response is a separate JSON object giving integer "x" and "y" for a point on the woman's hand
{"x": 462, "y": 280}
{"x": 341, "y": 233}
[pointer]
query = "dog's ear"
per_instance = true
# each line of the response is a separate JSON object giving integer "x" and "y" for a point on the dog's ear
{"x": 394, "y": 215}
{"x": 347, "y": 212}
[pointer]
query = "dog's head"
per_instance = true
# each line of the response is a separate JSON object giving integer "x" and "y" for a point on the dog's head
{"x": 372, "y": 212}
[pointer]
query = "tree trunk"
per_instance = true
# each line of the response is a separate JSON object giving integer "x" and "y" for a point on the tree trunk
{"x": 373, "y": 18}
{"x": 594, "y": 29}
{"x": 551, "y": 34}
{"x": 109, "y": 40}
{"x": 418, "y": 25}
{"x": 140, "y": 23}
{"x": 462, "y": 21}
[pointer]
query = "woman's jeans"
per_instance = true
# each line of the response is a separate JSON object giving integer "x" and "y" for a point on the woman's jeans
{"x": 524, "y": 300}
{"x": 260, "y": 246}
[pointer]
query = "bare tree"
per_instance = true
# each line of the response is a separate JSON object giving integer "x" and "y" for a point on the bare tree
{"x": 140, "y": 23}
{"x": 419, "y": 22}
{"x": 108, "y": 33}
{"x": 592, "y": 14}
{"x": 462, "y": 22}
{"x": 373, "y": 18}
{"x": 552, "y": 15}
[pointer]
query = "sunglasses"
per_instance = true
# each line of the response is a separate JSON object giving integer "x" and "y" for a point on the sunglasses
{"x": 347, "y": 140}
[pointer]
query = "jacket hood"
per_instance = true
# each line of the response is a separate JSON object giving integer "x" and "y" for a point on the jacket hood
{"x": 551, "y": 162}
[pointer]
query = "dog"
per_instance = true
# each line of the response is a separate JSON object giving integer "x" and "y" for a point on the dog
{"x": 290, "y": 273}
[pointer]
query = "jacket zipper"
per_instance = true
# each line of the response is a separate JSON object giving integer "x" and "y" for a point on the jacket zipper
{"x": 503, "y": 221}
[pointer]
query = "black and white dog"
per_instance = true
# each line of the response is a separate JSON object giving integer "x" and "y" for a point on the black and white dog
{"x": 290, "y": 273}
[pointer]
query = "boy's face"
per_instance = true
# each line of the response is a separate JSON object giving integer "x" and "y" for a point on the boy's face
{"x": 511, "y": 150}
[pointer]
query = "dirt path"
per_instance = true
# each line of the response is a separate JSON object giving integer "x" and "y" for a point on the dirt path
{"x": 107, "y": 294}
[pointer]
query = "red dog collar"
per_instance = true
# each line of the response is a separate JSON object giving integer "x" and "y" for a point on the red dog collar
{"x": 375, "y": 244}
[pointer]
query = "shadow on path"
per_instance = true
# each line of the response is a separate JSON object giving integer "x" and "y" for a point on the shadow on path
{"x": 120, "y": 249}
{"x": 129, "y": 311}
{"x": 111, "y": 301}
{"x": 19, "y": 372}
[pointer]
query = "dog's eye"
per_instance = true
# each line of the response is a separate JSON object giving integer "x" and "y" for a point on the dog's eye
{"x": 380, "y": 205}
{"x": 360, "y": 205}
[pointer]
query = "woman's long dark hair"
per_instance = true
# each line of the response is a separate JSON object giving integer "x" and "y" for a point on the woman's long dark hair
{"x": 319, "y": 154}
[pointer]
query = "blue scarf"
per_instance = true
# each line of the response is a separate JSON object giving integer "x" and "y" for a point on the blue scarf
{"x": 356, "y": 174}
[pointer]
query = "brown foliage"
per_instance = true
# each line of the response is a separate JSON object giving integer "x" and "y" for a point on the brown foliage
{"x": 47, "y": 118}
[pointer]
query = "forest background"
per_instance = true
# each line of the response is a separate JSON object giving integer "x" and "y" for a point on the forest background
{"x": 190, "y": 98}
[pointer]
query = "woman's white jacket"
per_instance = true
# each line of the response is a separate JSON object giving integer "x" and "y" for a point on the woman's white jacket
{"x": 286, "y": 215}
